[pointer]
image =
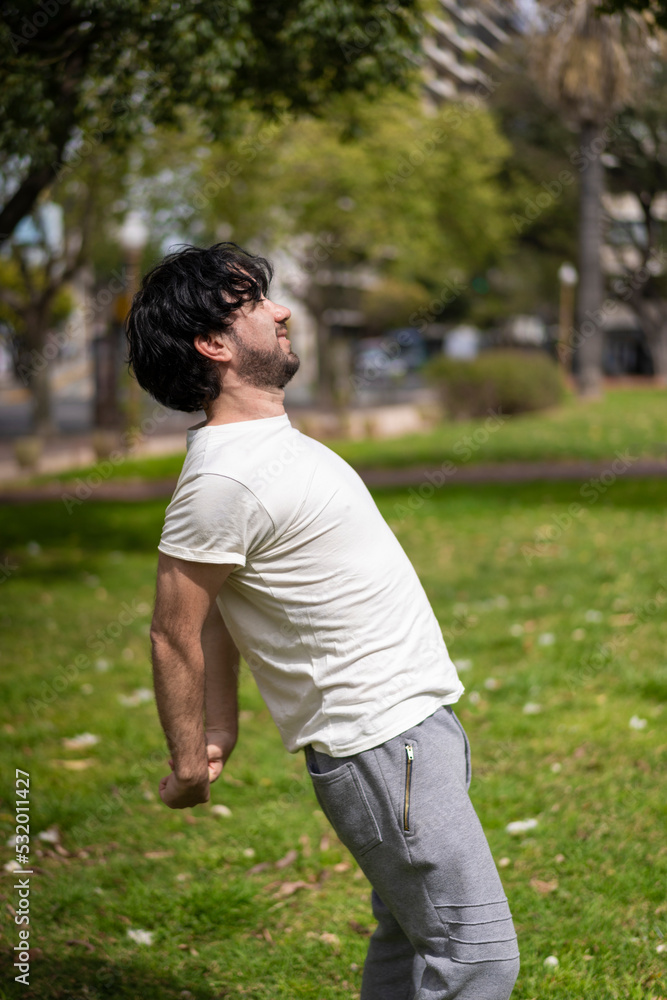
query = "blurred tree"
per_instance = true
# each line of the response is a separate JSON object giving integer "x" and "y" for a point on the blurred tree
{"x": 377, "y": 191}
{"x": 51, "y": 248}
{"x": 584, "y": 66}
{"x": 654, "y": 12}
{"x": 34, "y": 301}
{"x": 639, "y": 151}
{"x": 540, "y": 172}
{"x": 102, "y": 71}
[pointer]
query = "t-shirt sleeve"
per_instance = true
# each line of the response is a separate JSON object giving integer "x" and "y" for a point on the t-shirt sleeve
{"x": 214, "y": 519}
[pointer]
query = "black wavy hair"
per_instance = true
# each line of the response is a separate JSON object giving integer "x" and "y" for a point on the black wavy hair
{"x": 191, "y": 291}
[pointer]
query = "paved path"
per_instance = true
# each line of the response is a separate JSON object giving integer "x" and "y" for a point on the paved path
{"x": 85, "y": 488}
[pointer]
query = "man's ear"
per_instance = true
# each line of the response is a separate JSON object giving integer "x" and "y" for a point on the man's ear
{"x": 213, "y": 346}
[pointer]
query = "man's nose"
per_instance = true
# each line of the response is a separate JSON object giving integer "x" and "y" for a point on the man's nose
{"x": 281, "y": 313}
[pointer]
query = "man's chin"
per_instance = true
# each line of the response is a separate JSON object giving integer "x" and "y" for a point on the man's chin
{"x": 292, "y": 364}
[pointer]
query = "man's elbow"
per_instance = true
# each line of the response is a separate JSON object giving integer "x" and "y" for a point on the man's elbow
{"x": 168, "y": 636}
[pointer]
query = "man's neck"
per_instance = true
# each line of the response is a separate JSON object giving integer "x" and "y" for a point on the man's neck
{"x": 244, "y": 402}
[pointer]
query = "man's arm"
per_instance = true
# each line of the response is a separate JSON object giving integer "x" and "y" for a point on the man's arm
{"x": 185, "y": 597}
{"x": 221, "y": 659}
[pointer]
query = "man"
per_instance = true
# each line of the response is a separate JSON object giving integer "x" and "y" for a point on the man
{"x": 272, "y": 546}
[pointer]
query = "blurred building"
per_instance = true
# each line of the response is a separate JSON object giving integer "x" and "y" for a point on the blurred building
{"x": 462, "y": 49}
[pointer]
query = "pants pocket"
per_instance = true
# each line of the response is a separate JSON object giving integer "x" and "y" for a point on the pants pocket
{"x": 481, "y": 932}
{"x": 466, "y": 743}
{"x": 344, "y": 803}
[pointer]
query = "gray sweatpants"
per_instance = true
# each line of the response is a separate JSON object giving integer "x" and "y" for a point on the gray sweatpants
{"x": 402, "y": 809}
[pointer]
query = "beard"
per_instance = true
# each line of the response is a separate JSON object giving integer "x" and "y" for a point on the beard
{"x": 269, "y": 369}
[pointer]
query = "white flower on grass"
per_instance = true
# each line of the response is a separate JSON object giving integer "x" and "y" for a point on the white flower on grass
{"x": 579, "y": 634}
{"x": 140, "y": 697}
{"x": 516, "y": 630}
{"x": 593, "y": 616}
{"x": 518, "y": 826}
{"x": 141, "y": 937}
{"x": 546, "y": 639}
{"x": 501, "y": 601}
{"x": 87, "y": 689}
{"x": 101, "y": 665}
{"x": 80, "y": 742}
{"x": 661, "y": 948}
{"x": 551, "y": 962}
{"x": 474, "y": 697}
{"x": 12, "y": 841}
{"x": 556, "y": 767}
{"x": 248, "y": 852}
{"x": 12, "y": 867}
{"x": 491, "y": 684}
{"x": 637, "y": 723}
{"x": 463, "y": 664}
{"x": 50, "y": 836}
{"x": 221, "y": 810}
{"x": 532, "y": 708}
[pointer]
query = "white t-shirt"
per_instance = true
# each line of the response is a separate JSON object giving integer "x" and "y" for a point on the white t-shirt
{"x": 324, "y": 605}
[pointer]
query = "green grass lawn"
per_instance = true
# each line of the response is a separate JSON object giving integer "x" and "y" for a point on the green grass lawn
{"x": 632, "y": 421}
{"x": 568, "y": 620}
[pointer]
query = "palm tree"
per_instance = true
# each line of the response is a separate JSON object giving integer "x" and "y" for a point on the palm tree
{"x": 585, "y": 66}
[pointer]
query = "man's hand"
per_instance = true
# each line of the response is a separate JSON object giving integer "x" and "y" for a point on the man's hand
{"x": 219, "y": 745}
{"x": 179, "y": 794}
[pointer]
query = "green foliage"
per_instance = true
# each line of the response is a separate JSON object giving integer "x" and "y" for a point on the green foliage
{"x": 13, "y": 279}
{"x": 417, "y": 196}
{"x": 591, "y": 781}
{"x": 654, "y": 12}
{"x": 509, "y": 381}
{"x": 94, "y": 71}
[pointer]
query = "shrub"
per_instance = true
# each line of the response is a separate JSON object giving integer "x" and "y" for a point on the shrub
{"x": 513, "y": 381}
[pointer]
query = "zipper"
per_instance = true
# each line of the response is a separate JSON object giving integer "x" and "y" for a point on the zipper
{"x": 409, "y": 757}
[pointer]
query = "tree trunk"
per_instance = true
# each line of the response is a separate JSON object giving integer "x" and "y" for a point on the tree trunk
{"x": 325, "y": 374}
{"x": 42, "y": 408}
{"x": 589, "y": 335}
{"x": 38, "y": 370}
{"x": 653, "y": 316}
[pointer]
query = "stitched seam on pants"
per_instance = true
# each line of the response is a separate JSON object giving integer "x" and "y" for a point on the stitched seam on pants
{"x": 512, "y": 937}
{"x": 470, "y": 906}
{"x": 487, "y": 961}
{"x": 479, "y": 923}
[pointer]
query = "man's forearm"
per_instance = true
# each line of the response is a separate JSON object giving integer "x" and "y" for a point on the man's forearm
{"x": 178, "y": 674}
{"x": 221, "y": 660}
